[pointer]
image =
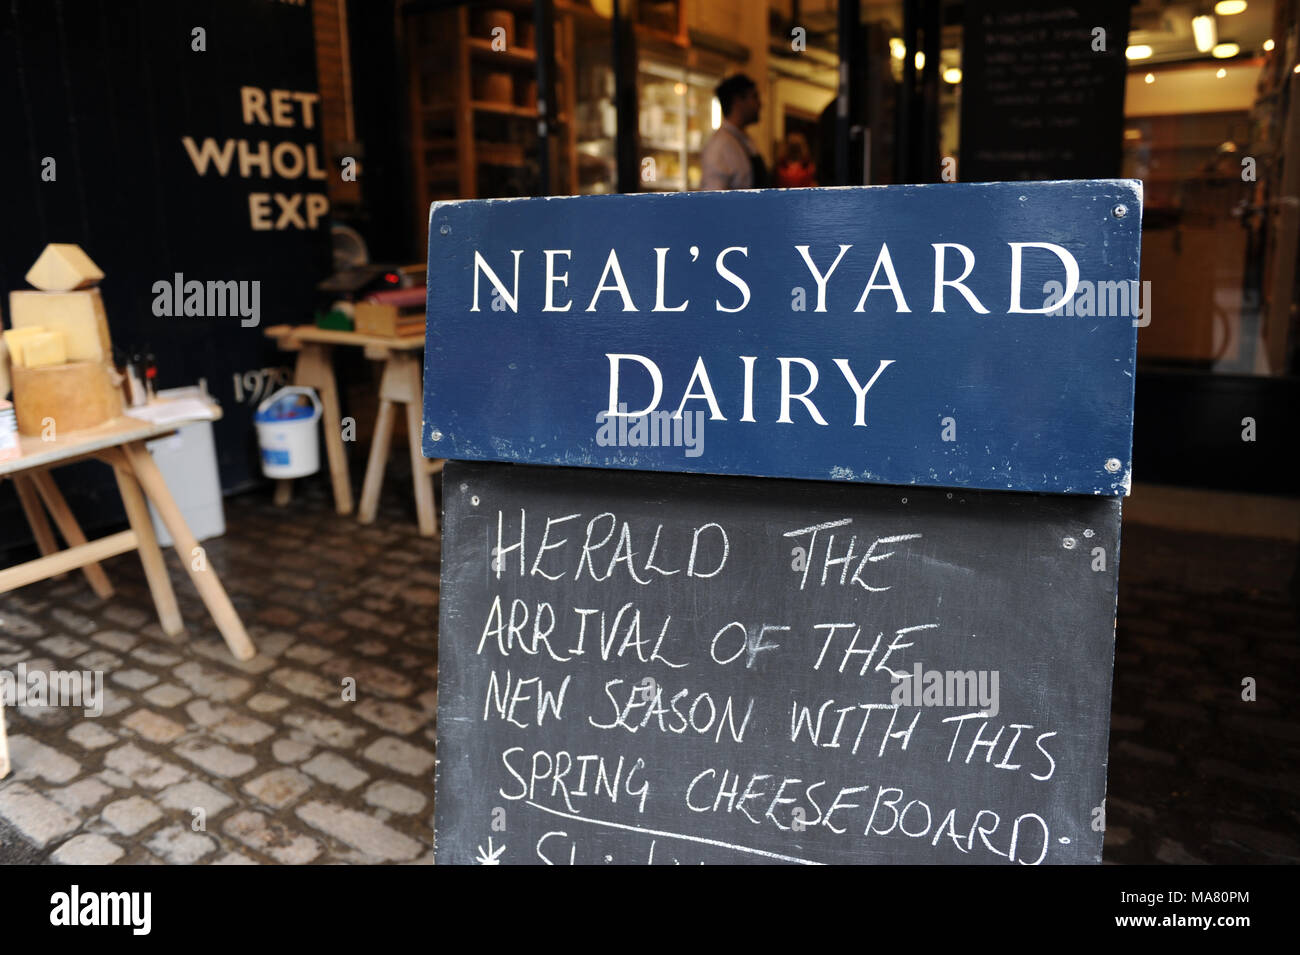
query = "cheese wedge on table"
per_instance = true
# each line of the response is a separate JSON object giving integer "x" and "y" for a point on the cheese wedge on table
{"x": 63, "y": 267}
{"x": 14, "y": 338}
{"x": 78, "y": 315}
{"x": 44, "y": 348}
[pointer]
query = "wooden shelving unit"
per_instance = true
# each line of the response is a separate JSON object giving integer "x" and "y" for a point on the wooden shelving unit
{"x": 473, "y": 105}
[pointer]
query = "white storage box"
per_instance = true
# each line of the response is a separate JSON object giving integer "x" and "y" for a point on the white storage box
{"x": 188, "y": 461}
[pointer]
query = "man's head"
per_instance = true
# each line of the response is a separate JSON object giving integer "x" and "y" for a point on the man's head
{"x": 738, "y": 96}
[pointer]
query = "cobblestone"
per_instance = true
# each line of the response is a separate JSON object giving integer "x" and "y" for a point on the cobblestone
{"x": 228, "y": 723}
{"x": 267, "y": 703}
{"x": 99, "y": 660}
{"x": 216, "y": 758}
{"x": 81, "y": 795}
{"x": 291, "y": 750}
{"x": 117, "y": 640}
{"x": 143, "y": 768}
{"x": 153, "y": 727}
{"x": 39, "y": 819}
{"x": 88, "y": 849}
{"x": 167, "y": 695}
{"x": 335, "y": 770}
{"x": 279, "y": 787}
{"x": 364, "y": 833}
{"x": 399, "y": 755}
{"x": 181, "y": 846}
{"x": 33, "y": 758}
{"x": 395, "y": 797}
{"x": 194, "y": 794}
{"x": 211, "y": 683}
{"x": 308, "y": 653}
{"x": 134, "y": 679}
{"x": 155, "y": 657}
{"x": 261, "y": 832}
{"x": 329, "y": 731}
{"x": 62, "y": 646}
{"x": 393, "y": 717}
{"x": 128, "y": 816}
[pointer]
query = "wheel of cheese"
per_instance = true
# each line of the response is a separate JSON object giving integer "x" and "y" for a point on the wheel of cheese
{"x": 4, "y": 370}
{"x": 77, "y": 395}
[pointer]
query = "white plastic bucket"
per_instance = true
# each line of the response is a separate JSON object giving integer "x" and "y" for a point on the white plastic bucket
{"x": 290, "y": 445}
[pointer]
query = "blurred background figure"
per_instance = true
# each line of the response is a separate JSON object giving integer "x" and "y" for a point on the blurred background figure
{"x": 795, "y": 167}
{"x": 730, "y": 159}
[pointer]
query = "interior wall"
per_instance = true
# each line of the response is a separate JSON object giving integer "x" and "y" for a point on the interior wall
{"x": 745, "y": 23}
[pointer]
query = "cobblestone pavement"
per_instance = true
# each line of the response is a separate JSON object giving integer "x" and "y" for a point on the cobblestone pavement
{"x": 1197, "y": 774}
{"x": 283, "y": 769}
{"x": 199, "y": 758}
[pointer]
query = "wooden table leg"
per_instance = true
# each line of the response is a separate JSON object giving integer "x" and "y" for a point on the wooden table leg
{"x": 155, "y": 568}
{"x": 380, "y": 445}
{"x": 402, "y": 383}
{"x": 425, "y": 511}
{"x": 4, "y": 744}
{"x": 205, "y": 580}
{"x": 283, "y": 491}
{"x": 35, "y": 515}
{"x": 70, "y": 529}
{"x": 315, "y": 369}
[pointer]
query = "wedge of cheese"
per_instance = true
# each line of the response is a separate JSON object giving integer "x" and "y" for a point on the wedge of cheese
{"x": 63, "y": 267}
{"x": 14, "y": 338}
{"x": 43, "y": 349}
{"x": 78, "y": 315}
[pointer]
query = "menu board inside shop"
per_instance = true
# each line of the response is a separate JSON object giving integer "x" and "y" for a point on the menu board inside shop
{"x": 1042, "y": 94}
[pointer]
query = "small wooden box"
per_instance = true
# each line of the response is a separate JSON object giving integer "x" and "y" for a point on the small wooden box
{"x": 389, "y": 321}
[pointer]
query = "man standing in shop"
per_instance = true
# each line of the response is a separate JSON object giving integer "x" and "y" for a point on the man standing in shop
{"x": 730, "y": 159}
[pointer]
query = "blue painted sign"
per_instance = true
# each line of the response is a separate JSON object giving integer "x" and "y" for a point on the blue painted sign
{"x": 955, "y": 335}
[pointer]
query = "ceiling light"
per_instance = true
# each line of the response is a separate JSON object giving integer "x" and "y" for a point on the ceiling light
{"x": 952, "y": 75}
{"x": 1204, "y": 32}
{"x": 1222, "y": 51}
{"x": 920, "y": 60}
{"x": 1222, "y": 73}
{"x": 1227, "y": 8}
{"x": 897, "y": 48}
{"x": 1149, "y": 78}
{"x": 1268, "y": 45}
{"x": 1139, "y": 52}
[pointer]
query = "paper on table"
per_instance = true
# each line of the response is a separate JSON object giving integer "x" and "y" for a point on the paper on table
{"x": 175, "y": 409}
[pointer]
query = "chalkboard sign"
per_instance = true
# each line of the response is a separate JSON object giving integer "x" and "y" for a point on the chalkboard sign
{"x": 1042, "y": 90}
{"x": 900, "y": 335}
{"x": 651, "y": 668}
